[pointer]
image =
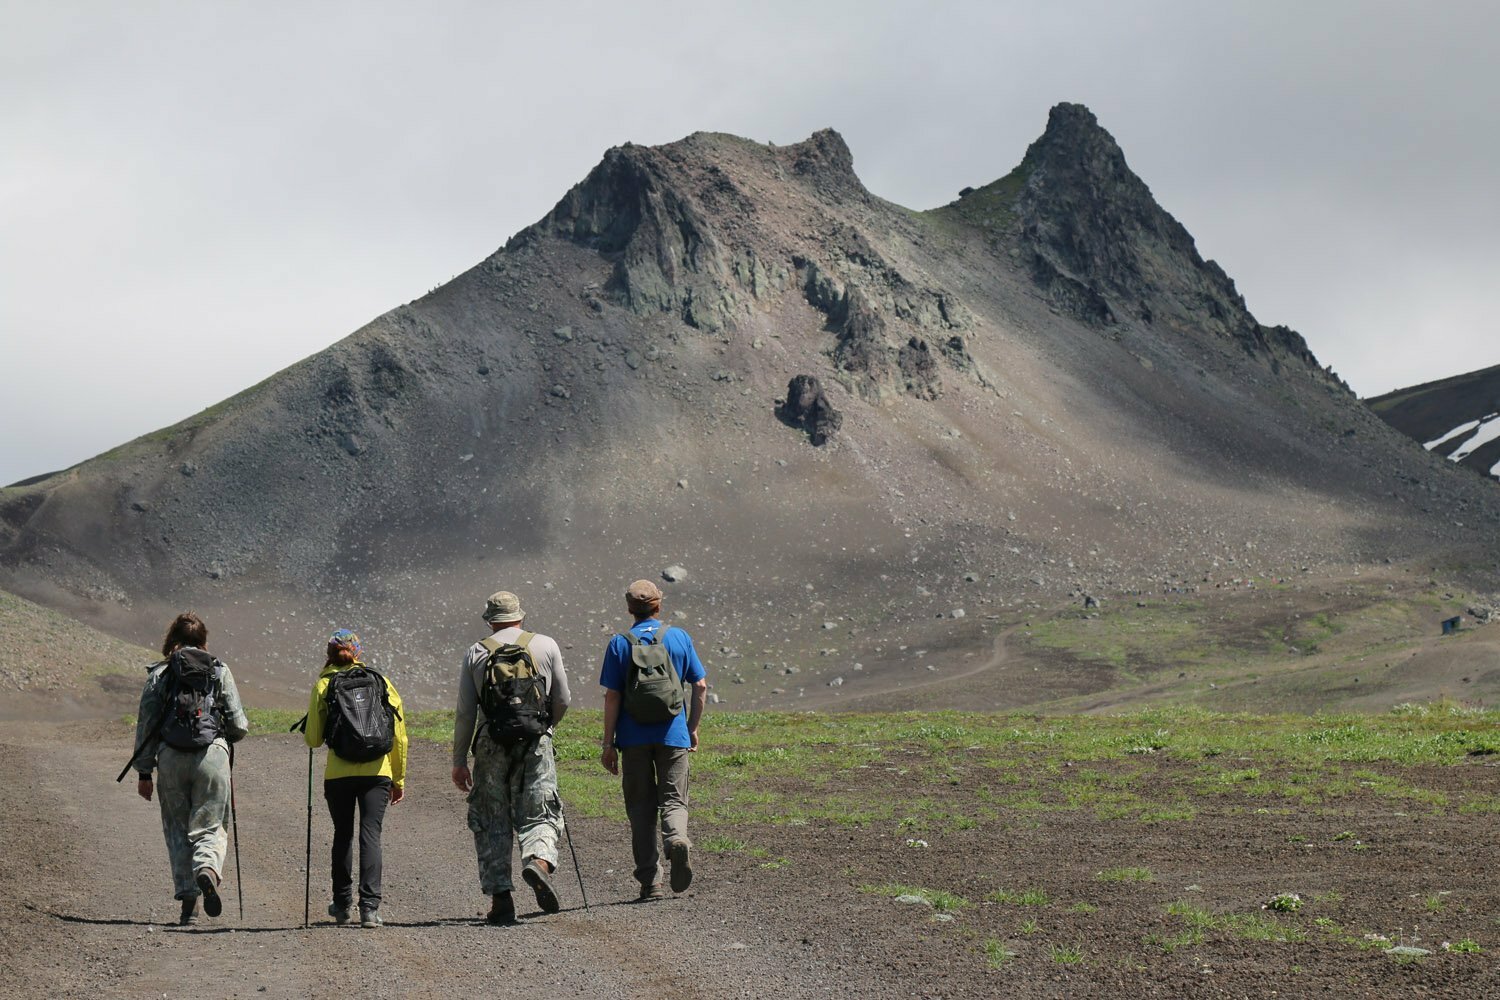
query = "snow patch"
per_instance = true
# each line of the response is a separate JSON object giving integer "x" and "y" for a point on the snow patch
{"x": 1481, "y": 432}
{"x": 1489, "y": 430}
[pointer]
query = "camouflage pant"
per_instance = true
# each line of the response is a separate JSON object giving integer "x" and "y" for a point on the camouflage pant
{"x": 193, "y": 790}
{"x": 515, "y": 793}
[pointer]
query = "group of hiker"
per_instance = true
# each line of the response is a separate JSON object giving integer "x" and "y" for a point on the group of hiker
{"x": 512, "y": 693}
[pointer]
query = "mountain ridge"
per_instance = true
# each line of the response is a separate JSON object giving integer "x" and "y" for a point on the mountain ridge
{"x": 1025, "y": 413}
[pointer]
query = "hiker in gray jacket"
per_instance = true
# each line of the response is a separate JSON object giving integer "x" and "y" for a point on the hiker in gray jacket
{"x": 512, "y": 791}
{"x": 190, "y": 712}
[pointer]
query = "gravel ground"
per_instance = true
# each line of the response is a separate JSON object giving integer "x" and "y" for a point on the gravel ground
{"x": 88, "y": 893}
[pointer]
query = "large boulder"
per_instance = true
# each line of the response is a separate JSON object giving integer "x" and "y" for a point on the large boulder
{"x": 807, "y": 408}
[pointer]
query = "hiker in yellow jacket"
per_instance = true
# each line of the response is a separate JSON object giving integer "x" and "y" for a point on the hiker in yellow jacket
{"x": 371, "y": 783}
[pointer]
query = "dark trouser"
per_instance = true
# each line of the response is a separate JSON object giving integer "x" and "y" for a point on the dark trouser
{"x": 655, "y": 783}
{"x": 372, "y": 794}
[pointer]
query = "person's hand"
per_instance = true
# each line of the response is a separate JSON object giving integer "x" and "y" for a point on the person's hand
{"x": 693, "y": 735}
{"x": 610, "y": 758}
{"x": 462, "y": 780}
{"x": 143, "y": 788}
{"x": 397, "y": 794}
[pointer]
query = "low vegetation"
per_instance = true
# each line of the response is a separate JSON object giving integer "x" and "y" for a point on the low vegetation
{"x": 937, "y": 802}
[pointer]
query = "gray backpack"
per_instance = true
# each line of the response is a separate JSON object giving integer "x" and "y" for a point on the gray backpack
{"x": 653, "y": 688}
{"x": 191, "y": 718}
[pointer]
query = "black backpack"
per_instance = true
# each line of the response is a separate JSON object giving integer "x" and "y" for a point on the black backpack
{"x": 191, "y": 718}
{"x": 653, "y": 687}
{"x": 513, "y": 695}
{"x": 361, "y": 723}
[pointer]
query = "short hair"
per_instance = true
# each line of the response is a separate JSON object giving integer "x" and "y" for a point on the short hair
{"x": 187, "y": 629}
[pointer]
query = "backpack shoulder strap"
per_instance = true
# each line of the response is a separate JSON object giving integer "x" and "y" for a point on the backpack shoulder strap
{"x": 661, "y": 633}
{"x": 524, "y": 640}
{"x": 630, "y": 637}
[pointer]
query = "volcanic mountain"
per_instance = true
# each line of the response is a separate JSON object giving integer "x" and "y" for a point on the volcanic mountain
{"x": 1038, "y": 391}
{"x": 1457, "y": 417}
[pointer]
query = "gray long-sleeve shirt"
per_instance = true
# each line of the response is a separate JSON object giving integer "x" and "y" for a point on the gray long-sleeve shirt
{"x": 154, "y": 701}
{"x": 469, "y": 716}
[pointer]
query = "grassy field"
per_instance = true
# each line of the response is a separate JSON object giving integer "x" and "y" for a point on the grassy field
{"x": 953, "y": 770}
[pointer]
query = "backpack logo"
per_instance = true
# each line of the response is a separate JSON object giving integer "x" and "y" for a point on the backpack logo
{"x": 513, "y": 694}
{"x": 653, "y": 687}
{"x": 360, "y": 727}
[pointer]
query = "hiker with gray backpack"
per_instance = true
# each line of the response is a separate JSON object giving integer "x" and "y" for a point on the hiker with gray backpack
{"x": 356, "y": 711}
{"x": 190, "y": 715}
{"x": 512, "y": 693}
{"x": 654, "y": 693}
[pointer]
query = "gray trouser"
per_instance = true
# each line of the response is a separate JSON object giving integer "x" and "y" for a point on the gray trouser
{"x": 514, "y": 794}
{"x": 655, "y": 783}
{"x": 192, "y": 787}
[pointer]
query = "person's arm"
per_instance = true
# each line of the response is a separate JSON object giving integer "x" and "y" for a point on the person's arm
{"x": 313, "y": 734}
{"x": 608, "y": 755}
{"x": 695, "y": 711}
{"x": 147, "y": 733}
{"x": 695, "y": 675}
{"x": 558, "y": 695}
{"x": 464, "y": 717}
{"x": 398, "y": 747}
{"x": 236, "y": 724}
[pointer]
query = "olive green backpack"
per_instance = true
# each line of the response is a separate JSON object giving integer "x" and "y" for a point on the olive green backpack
{"x": 653, "y": 688}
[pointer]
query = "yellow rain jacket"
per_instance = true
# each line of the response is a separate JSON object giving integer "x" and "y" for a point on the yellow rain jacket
{"x": 392, "y": 765}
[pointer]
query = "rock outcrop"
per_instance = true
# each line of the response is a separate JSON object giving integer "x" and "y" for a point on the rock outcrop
{"x": 807, "y": 408}
{"x": 1100, "y": 248}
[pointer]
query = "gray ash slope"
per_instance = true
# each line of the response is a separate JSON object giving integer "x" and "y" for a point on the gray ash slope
{"x": 1458, "y": 417}
{"x": 1042, "y": 388}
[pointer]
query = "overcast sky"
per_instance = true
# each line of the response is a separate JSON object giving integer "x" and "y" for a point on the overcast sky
{"x": 194, "y": 195}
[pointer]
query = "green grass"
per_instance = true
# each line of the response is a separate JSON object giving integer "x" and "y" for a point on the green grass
{"x": 1197, "y": 922}
{"x": 1027, "y": 897}
{"x": 783, "y": 769}
{"x": 989, "y": 207}
{"x": 940, "y": 900}
{"x": 1064, "y": 955}
{"x": 996, "y": 955}
{"x": 1124, "y": 875}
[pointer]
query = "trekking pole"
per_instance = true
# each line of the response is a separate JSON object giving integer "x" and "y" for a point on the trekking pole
{"x": 234, "y": 822}
{"x": 307, "y": 865}
{"x": 567, "y": 829}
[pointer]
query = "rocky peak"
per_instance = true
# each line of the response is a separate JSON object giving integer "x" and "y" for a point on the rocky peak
{"x": 824, "y": 159}
{"x": 640, "y": 210}
{"x": 1101, "y": 249}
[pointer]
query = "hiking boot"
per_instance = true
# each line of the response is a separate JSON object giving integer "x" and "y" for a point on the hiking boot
{"x": 189, "y": 914}
{"x": 208, "y": 884}
{"x": 370, "y": 918}
{"x": 536, "y": 877}
{"x": 502, "y": 910}
{"x": 340, "y": 914}
{"x": 682, "y": 872}
{"x": 650, "y": 892}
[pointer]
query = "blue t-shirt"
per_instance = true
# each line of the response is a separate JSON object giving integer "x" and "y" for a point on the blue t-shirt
{"x": 616, "y": 668}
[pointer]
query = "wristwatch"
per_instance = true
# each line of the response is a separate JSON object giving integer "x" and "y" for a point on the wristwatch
{"x": 145, "y": 777}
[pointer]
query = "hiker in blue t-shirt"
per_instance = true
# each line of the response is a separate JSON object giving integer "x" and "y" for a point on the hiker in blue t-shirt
{"x": 654, "y": 753}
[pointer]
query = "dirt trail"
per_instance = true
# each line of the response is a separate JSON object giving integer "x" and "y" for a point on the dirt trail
{"x": 86, "y": 907}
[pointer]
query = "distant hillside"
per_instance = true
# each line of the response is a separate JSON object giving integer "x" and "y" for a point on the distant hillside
{"x": 47, "y": 658}
{"x": 1039, "y": 391}
{"x": 1458, "y": 417}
